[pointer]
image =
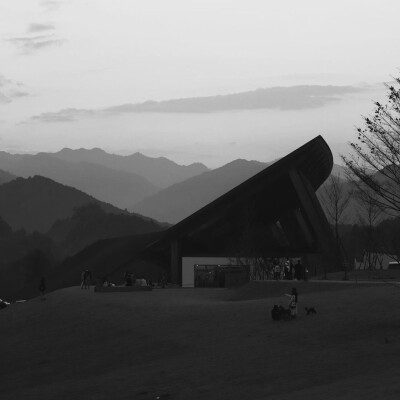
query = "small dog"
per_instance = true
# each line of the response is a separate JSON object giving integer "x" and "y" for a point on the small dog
{"x": 310, "y": 310}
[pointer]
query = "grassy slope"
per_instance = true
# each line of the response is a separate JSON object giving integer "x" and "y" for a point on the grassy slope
{"x": 197, "y": 344}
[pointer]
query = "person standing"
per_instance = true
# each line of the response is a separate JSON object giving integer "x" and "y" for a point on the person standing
{"x": 293, "y": 298}
{"x": 86, "y": 277}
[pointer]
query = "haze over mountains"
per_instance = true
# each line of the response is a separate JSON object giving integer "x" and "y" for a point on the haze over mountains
{"x": 6, "y": 177}
{"x": 105, "y": 176}
{"x": 160, "y": 171}
{"x": 182, "y": 199}
{"x": 154, "y": 187}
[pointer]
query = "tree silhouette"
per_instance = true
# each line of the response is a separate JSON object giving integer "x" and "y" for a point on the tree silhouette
{"x": 374, "y": 164}
{"x": 335, "y": 197}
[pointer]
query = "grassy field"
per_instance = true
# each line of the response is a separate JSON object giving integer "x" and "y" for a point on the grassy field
{"x": 204, "y": 344}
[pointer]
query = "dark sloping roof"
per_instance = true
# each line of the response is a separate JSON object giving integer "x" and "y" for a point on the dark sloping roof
{"x": 270, "y": 188}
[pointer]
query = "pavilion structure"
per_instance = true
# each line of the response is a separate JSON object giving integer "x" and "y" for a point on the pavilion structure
{"x": 275, "y": 213}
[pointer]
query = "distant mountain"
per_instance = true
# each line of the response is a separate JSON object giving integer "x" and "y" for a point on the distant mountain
{"x": 119, "y": 188}
{"x": 339, "y": 171}
{"x": 90, "y": 223}
{"x": 160, "y": 171}
{"x": 182, "y": 199}
{"x": 6, "y": 177}
{"x": 37, "y": 203}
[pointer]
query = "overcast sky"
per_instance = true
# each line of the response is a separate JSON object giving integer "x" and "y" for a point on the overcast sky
{"x": 70, "y": 71}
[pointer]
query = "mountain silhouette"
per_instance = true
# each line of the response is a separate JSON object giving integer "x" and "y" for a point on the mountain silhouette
{"x": 119, "y": 188}
{"x": 6, "y": 177}
{"x": 160, "y": 171}
{"x": 182, "y": 199}
{"x": 26, "y": 256}
{"x": 36, "y": 203}
{"x": 90, "y": 223}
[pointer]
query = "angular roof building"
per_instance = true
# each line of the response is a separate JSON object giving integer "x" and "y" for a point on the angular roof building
{"x": 275, "y": 213}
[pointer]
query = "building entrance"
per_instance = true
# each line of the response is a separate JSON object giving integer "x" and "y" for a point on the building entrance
{"x": 219, "y": 276}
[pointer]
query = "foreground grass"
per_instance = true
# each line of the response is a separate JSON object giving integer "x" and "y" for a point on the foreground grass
{"x": 199, "y": 344}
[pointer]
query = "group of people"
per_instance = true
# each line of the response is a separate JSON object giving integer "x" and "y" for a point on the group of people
{"x": 86, "y": 277}
{"x": 131, "y": 280}
{"x": 285, "y": 269}
{"x": 280, "y": 312}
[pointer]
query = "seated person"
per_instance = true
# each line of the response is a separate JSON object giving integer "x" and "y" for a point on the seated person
{"x": 276, "y": 313}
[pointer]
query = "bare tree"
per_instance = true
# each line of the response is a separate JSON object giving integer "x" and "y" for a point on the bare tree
{"x": 388, "y": 238}
{"x": 335, "y": 195}
{"x": 374, "y": 164}
{"x": 369, "y": 215}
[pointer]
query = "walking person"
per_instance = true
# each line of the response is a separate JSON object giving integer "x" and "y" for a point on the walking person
{"x": 86, "y": 277}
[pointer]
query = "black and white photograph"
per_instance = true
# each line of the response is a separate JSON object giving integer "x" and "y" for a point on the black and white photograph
{"x": 199, "y": 199}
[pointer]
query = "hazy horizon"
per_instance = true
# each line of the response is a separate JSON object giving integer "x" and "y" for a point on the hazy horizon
{"x": 73, "y": 73}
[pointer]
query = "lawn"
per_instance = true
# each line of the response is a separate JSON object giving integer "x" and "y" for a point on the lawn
{"x": 204, "y": 344}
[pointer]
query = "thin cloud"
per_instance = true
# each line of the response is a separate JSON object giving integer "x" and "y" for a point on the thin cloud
{"x": 65, "y": 115}
{"x": 51, "y": 5}
{"x": 3, "y": 98}
{"x": 33, "y": 28}
{"x": 11, "y": 90}
{"x": 277, "y": 98}
{"x": 28, "y": 45}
